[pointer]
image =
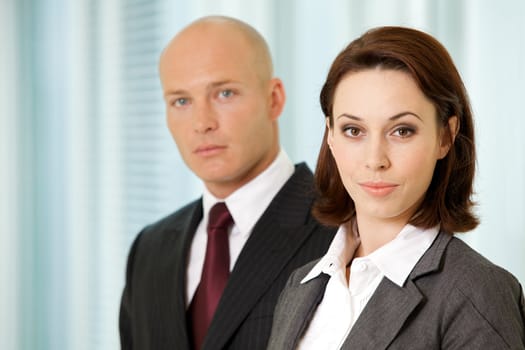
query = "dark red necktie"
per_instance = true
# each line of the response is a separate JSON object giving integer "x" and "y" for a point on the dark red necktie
{"x": 215, "y": 273}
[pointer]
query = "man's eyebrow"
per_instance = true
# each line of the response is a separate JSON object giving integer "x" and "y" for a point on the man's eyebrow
{"x": 175, "y": 92}
{"x": 222, "y": 82}
{"x": 210, "y": 86}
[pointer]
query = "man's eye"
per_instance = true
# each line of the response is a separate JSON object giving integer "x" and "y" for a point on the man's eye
{"x": 180, "y": 102}
{"x": 226, "y": 93}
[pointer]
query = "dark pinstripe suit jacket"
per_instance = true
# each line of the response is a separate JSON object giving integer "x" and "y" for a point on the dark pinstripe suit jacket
{"x": 153, "y": 312}
{"x": 453, "y": 299}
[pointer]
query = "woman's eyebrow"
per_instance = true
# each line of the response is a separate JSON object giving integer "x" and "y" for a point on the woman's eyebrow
{"x": 394, "y": 117}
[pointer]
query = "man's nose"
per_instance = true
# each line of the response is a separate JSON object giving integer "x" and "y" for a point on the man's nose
{"x": 204, "y": 118}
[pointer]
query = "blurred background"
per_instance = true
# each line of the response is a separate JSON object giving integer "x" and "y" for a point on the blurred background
{"x": 86, "y": 160}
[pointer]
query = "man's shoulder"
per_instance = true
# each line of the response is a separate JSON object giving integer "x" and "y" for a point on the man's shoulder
{"x": 179, "y": 218}
{"x": 302, "y": 173}
{"x": 300, "y": 184}
{"x": 293, "y": 201}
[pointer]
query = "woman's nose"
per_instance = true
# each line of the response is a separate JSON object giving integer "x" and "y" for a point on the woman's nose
{"x": 377, "y": 154}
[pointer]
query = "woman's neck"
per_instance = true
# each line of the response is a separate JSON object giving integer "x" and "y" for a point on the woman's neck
{"x": 375, "y": 233}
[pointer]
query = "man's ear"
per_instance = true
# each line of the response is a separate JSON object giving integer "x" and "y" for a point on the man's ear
{"x": 448, "y": 136}
{"x": 277, "y": 97}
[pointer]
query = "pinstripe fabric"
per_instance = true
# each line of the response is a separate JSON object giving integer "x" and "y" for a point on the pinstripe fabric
{"x": 453, "y": 299}
{"x": 152, "y": 312}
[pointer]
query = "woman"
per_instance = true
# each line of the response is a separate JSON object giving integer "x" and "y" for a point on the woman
{"x": 395, "y": 173}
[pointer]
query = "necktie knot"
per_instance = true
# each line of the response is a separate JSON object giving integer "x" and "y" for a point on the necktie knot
{"x": 220, "y": 217}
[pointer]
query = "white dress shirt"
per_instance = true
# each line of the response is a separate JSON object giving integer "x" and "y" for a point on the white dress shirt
{"x": 246, "y": 205}
{"x": 344, "y": 301}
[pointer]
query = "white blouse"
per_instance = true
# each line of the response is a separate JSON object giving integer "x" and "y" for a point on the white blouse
{"x": 343, "y": 302}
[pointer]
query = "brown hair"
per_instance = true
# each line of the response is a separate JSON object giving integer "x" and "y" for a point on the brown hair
{"x": 448, "y": 198}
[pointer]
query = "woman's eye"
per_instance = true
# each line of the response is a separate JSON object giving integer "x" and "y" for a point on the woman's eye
{"x": 352, "y": 131}
{"x": 404, "y": 131}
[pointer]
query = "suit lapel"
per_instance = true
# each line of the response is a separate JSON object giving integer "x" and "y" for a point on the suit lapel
{"x": 383, "y": 316}
{"x": 273, "y": 242}
{"x": 174, "y": 275}
{"x": 298, "y": 307}
{"x": 391, "y": 305}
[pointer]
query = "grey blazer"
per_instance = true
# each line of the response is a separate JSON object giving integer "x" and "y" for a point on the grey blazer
{"x": 453, "y": 299}
{"x": 153, "y": 310}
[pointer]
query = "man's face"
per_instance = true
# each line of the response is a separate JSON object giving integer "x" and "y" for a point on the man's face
{"x": 219, "y": 109}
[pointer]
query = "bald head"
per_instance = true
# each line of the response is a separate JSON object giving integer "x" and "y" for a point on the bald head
{"x": 219, "y": 35}
{"x": 222, "y": 102}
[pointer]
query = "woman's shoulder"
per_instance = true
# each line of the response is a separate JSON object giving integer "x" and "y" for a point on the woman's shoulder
{"x": 476, "y": 278}
{"x": 481, "y": 291}
{"x": 465, "y": 262}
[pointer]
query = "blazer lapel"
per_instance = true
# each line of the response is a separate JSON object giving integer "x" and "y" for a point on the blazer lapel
{"x": 273, "y": 242}
{"x": 297, "y": 307}
{"x": 391, "y": 305}
{"x": 383, "y": 316}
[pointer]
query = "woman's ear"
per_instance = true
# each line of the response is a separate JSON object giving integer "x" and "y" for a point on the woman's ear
{"x": 329, "y": 133}
{"x": 448, "y": 136}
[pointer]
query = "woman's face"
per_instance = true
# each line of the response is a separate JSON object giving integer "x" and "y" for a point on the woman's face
{"x": 386, "y": 142}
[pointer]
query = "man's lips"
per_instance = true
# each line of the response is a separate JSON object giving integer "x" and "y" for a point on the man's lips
{"x": 378, "y": 189}
{"x": 209, "y": 150}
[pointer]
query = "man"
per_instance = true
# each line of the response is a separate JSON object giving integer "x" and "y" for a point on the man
{"x": 222, "y": 108}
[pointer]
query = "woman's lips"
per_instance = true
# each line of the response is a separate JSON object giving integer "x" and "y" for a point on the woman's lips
{"x": 378, "y": 189}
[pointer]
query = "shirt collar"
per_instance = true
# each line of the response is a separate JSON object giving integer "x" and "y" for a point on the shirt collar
{"x": 248, "y": 203}
{"x": 341, "y": 251}
{"x": 395, "y": 260}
